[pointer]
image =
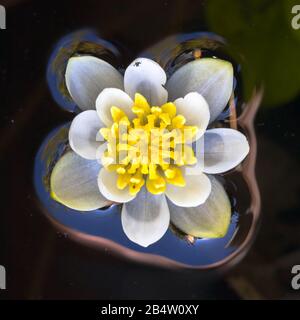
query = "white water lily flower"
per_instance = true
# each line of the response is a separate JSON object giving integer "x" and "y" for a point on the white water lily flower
{"x": 147, "y": 146}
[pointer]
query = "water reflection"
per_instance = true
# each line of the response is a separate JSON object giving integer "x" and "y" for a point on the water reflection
{"x": 103, "y": 227}
{"x": 84, "y": 41}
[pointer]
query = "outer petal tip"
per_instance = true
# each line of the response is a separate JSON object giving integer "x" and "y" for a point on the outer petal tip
{"x": 209, "y": 220}
{"x": 83, "y": 133}
{"x": 87, "y": 76}
{"x": 212, "y": 78}
{"x": 146, "y": 77}
{"x": 73, "y": 183}
{"x": 224, "y": 149}
{"x": 146, "y": 219}
{"x": 193, "y": 194}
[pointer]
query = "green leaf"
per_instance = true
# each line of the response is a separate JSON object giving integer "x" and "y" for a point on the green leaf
{"x": 260, "y": 31}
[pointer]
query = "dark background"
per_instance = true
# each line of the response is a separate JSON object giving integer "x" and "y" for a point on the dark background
{"x": 43, "y": 264}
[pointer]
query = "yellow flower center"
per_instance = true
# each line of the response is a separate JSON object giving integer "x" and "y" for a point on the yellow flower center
{"x": 151, "y": 148}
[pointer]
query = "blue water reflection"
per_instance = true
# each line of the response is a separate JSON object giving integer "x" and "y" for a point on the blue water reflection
{"x": 107, "y": 223}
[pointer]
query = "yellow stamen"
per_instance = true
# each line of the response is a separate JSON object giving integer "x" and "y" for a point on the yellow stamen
{"x": 141, "y": 106}
{"x": 169, "y": 108}
{"x": 156, "y": 186}
{"x": 123, "y": 181}
{"x": 156, "y": 111}
{"x": 117, "y": 114}
{"x": 174, "y": 176}
{"x": 178, "y": 121}
{"x": 151, "y": 147}
{"x": 165, "y": 117}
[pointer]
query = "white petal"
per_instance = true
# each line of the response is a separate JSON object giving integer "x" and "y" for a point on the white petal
{"x": 87, "y": 76}
{"x": 195, "y": 110}
{"x": 83, "y": 132}
{"x": 113, "y": 97}
{"x": 107, "y": 183}
{"x": 209, "y": 220}
{"x": 74, "y": 183}
{"x": 146, "y": 218}
{"x": 146, "y": 77}
{"x": 213, "y": 78}
{"x": 224, "y": 149}
{"x": 194, "y": 193}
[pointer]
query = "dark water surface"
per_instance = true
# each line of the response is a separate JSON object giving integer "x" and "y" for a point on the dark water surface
{"x": 41, "y": 259}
